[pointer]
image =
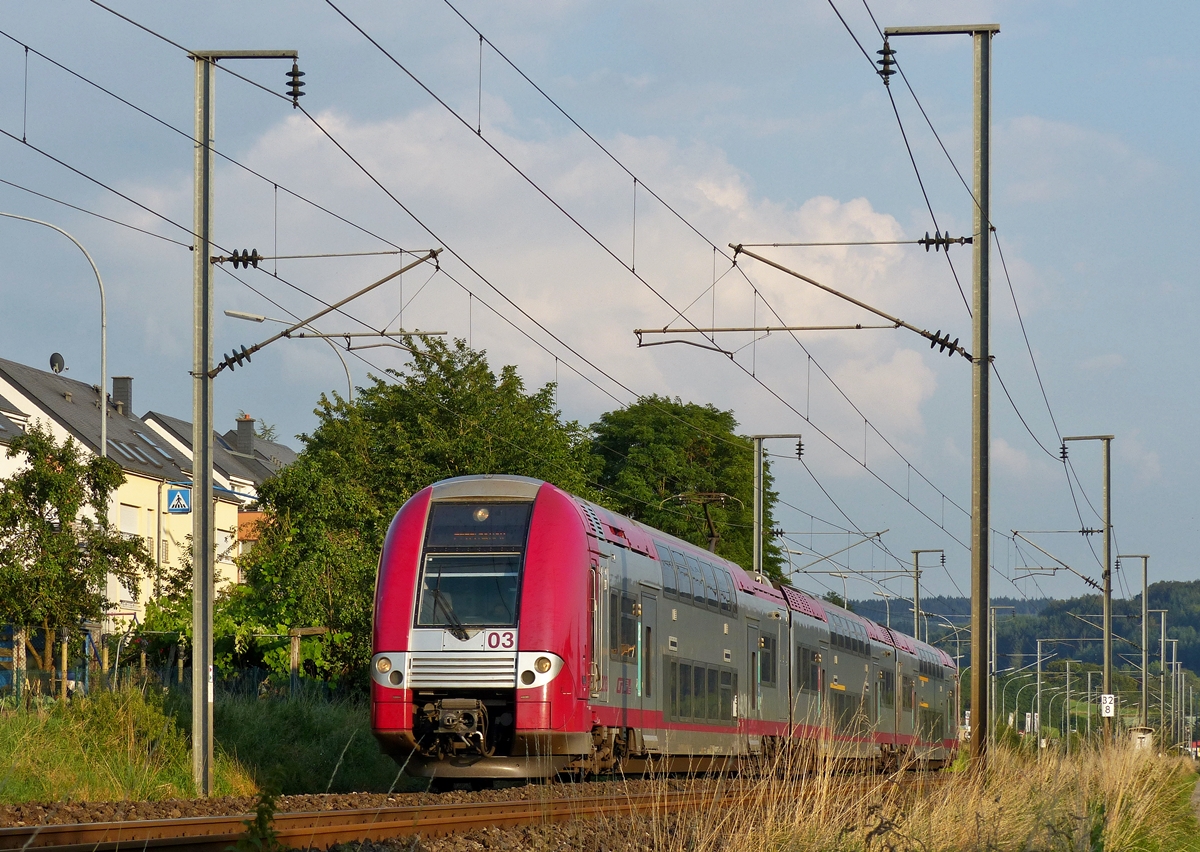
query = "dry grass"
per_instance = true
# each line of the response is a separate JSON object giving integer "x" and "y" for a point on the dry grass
{"x": 1116, "y": 799}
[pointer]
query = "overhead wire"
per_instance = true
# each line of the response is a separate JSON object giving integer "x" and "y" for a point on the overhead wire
{"x": 300, "y": 197}
{"x": 604, "y": 247}
{"x": 94, "y": 213}
{"x": 990, "y": 230}
{"x": 517, "y": 307}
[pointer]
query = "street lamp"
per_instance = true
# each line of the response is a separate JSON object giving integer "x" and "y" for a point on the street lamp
{"x": 243, "y": 315}
{"x": 103, "y": 329}
{"x": 1014, "y": 676}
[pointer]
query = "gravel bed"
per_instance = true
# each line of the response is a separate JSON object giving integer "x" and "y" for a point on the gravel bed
{"x": 612, "y": 834}
{"x": 59, "y": 813}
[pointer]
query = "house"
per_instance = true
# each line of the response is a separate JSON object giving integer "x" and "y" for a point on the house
{"x": 242, "y": 461}
{"x": 155, "y": 454}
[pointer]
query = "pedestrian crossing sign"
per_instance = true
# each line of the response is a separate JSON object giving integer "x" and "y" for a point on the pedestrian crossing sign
{"x": 179, "y": 501}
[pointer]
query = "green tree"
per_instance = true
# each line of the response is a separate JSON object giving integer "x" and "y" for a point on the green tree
{"x": 57, "y": 547}
{"x": 661, "y": 457}
{"x": 446, "y": 414}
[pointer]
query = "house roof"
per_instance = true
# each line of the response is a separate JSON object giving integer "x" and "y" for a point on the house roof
{"x": 75, "y": 406}
{"x": 266, "y": 461}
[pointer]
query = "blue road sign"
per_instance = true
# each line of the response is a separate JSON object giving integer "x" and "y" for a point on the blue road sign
{"x": 179, "y": 501}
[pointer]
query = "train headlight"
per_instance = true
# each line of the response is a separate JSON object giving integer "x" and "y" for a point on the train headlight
{"x": 542, "y": 664}
{"x": 396, "y": 678}
{"x": 528, "y": 677}
{"x": 383, "y": 665}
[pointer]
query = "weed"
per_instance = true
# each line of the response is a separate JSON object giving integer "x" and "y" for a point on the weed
{"x": 260, "y": 833}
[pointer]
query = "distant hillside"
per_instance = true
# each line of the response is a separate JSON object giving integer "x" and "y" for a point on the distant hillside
{"x": 1016, "y": 635}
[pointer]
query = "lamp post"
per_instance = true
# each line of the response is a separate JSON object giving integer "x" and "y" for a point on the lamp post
{"x": 1004, "y": 688}
{"x": 993, "y": 667}
{"x": 1017, "y": 701}
{"x": 242, "y": 315}
{"x": 103, "y": 329}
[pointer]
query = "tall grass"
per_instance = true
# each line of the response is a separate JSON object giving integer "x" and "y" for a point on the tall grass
{"x": 135, "y": 744}
{"x": 307, "y": 744}
{"x": 1114, "y": 799}
{"x": 106, "y": 746}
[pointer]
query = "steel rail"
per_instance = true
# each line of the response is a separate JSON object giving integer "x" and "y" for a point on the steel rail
{"x": 320, "y": 830}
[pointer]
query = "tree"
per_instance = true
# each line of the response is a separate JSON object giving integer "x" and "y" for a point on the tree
{"x": 57, "y": 547}
{"x": 663, "y": 460}
{"x": 446, "y": 414}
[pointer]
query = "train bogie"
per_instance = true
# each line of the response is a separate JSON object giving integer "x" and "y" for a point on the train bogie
{"x": 523, "y": 632}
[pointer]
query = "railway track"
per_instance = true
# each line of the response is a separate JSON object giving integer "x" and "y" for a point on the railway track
{"x": 320, "y": 830}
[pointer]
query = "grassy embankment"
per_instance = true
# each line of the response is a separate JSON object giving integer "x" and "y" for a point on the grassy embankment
{"x": 136, "y": 745}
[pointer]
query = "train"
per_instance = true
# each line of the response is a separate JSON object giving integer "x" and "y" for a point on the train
{"x": 523, "y": 632}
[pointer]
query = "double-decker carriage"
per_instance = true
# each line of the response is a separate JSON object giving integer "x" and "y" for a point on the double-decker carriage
{"x": 521, "y": 631}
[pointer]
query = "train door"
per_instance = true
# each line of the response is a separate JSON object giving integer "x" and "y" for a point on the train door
{"x": 649, "y": 682}
{"x": 598, "y": 687}
{"x": 753, "y": 689}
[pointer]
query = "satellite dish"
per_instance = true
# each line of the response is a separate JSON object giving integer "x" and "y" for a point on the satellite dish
{"x": 57, "y": 364}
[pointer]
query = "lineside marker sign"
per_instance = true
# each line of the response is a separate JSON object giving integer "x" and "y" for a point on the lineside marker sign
{"x": 1108, "y": 706}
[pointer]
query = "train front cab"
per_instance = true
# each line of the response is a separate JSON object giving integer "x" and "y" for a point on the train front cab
{"x": 480, "y": 630}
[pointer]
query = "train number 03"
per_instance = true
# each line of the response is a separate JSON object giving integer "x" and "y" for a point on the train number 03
{"x": 501, "y": 640}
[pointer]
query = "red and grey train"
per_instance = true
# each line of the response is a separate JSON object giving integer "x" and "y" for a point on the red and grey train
{"x": 522, "y": 632}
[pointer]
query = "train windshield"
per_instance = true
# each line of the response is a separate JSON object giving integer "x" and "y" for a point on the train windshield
{"x": 472, "y": 569}
{"x": 477, "y": 590}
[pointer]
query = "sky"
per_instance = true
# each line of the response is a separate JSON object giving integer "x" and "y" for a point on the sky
{"x": 606, "y": 201}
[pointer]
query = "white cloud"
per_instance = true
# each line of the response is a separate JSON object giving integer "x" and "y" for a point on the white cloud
{"x": 1142, "y": 461}
{"x": 1009, "y": 460}
{"x": 1052, "y": 160}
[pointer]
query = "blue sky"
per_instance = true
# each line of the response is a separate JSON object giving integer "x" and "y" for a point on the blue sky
{"x": 757, "y": 123}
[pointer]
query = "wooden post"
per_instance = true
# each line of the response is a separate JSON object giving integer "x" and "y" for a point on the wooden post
{"x": 63, "y": 659}
{"x": 103, "y": 663}
{"x": 20, "y": 635}
{"x": 179, "y": 664}
{"x": 143, "y": 665}
{"x": 294, "y": 635}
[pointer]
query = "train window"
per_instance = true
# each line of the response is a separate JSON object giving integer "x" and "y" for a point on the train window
{"x": 647, "y": 659}
{"x": 906, "y": 689}
{"x": 685, "y": 579}
{"x": 714, "y": 695}
{"x": 808, "y": 668}
{"x": 673, "y": 689}
{"x": 710, "y": 586}
{"x": 887, "y": 689}
{"x": 697, "y": 580}
{"x": 471, "y": 526}
{"x": 670, "y": 588}
{"x": 623, "y": 627}
{"x": 728, "y": 690}
{"x": 699, "y": 693}
{"x": 685, "y": 691}
{"x": 768, "y": 646}
{"x": 469, "y": 589}
{"x": 725, "y": 582}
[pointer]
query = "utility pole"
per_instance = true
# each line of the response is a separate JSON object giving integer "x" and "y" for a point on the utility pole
{"x": 1145, "y": 637}
{"x": 981, "y": 370}
{"x": 203, "y": 510}
{"x": 916, "y": 555}
{"x": 758, "y": 496}
{"x": 993, "y": 655}
{"x": 1106, "y": 675}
